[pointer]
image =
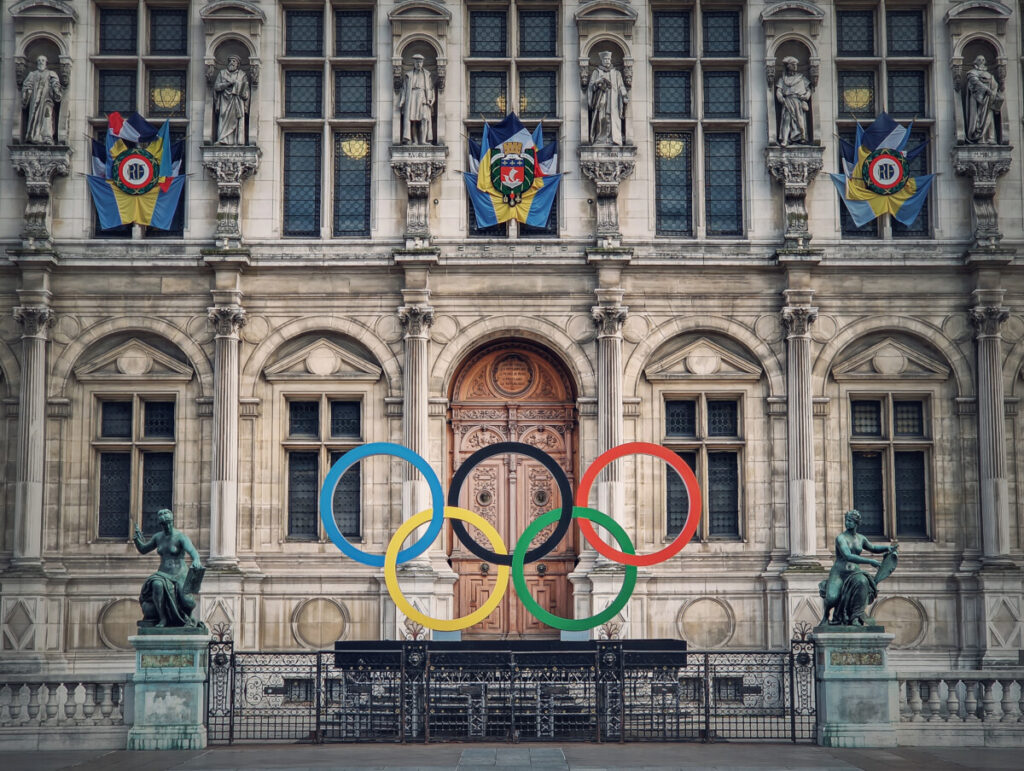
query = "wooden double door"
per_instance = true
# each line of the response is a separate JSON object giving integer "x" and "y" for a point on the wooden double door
{"x": 513, "y": 392}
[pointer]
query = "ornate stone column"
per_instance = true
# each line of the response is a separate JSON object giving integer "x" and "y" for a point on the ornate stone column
{"x": 230, "y": 166}
{"x": 607, "y": 166}
{"x": 39, "y": 164}
{"x": 795, "y": 167}
{"x": 416, "y": 318}
{"x": 418, "y": 165}
{"x": 988, "y": 316}
{"x": 609, "y": 316}
{"x": 983, "y": 165}
{"x": 227, "y": 321}
{"x": 35, "y": 321}
{"x": 798, "y": 315}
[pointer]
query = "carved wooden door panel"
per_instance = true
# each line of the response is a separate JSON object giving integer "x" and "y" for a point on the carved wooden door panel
{"x": 513, "y": 392}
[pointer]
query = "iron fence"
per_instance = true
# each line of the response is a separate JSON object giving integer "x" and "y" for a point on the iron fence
{"x": 415, "y": 691}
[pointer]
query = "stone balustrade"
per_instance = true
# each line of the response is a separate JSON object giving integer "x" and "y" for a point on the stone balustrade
{"x": 89, "y": 710}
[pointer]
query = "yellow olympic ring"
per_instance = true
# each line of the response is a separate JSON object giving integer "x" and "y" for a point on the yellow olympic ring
{"x": 391, "y": 570}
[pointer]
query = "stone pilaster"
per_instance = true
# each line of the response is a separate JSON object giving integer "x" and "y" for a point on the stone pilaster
{"x": 418, "y": 165}
{"x": 227, "y": 320}
{"x": 607, "y": 166}
{"x": 798, "y": 315}
{"x": 795, "y": 167}
{"x": 230, "y": 166}
{"x": 39, "y": 164}
{"x": 983, "y": 165}
{"x": 35, "y": 321}
{"x": 988, "y": 317}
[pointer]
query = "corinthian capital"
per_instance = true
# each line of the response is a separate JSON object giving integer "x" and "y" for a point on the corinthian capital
{"x": 989, "y": 319}
{"x": 416, "y": 319}
{"x": 609, "y": 319}
{"x": 798, "y": 319}
{"x": 227, "y": 320}
{"x": 34, "y": 320}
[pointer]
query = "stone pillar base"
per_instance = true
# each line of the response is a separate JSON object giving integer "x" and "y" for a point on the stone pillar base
{"x": 170, "y": 670}
{"x": 857, "y": 694}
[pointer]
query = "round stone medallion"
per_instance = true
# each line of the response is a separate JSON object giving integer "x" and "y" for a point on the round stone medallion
{"x": 321, "y": 361}
{"x": 903, "y": 618}
{"x": 317, "y": 623}
{"x": 134, "y": 362}
{"x": 706, "y": 623}
{"x": 118, "y": 620}
{"x": 889, "y": 362}
{"x": 512, "y": 374}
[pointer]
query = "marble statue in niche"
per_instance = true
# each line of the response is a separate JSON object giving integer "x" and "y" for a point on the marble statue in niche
{"x": 607, "y": 98}
{"x": 984, "y": 99}
{"x": 40, "y": 93}
{"x": 416, "y": 103}
{"x": 231, "y": 101}
{"x": 793, "y": 93}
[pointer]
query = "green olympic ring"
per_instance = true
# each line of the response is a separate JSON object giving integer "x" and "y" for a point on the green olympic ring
{"x": 523, "y": 591}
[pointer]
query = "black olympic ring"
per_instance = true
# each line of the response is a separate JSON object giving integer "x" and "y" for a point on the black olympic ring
{"x": 518, "y": 448}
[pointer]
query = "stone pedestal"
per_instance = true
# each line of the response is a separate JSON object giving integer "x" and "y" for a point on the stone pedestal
{"x": 983, "y": 165}
{"x": 418, "y": 165}
{"x": 795, "y": 167}
{"x": 170, "y": 671}
{"x": 856, "y": 692}
{"x": 230, "y": 166}
{"x": 607, "y": 166}
{"x": 39, "y": 164}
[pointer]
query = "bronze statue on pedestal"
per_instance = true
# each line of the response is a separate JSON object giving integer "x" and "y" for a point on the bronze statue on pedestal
{"x": 168, "y": 596}
{"x": 848, "y": 590}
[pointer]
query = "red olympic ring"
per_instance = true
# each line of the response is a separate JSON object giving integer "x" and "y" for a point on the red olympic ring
{"x": 692, "y": 492}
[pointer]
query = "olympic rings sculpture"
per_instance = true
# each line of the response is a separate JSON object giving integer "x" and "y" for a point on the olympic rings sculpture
{"x": 510, "y": 565}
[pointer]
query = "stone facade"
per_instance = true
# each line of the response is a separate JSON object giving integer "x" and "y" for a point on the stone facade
{"x": 232, "y": 320}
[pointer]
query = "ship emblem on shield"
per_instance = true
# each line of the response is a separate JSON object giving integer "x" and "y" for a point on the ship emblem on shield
{"x": 512, "y": 172}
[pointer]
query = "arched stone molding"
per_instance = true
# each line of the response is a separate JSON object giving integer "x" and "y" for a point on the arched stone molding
{"x": 605, "y": 22}
{"x": 417, "y": 26}
{"x": 476, "y": 334}
{"x": 43, "y": 27}
{"x": 641, "y": 355}
{"x": 789, "y": 26}
{"x": 10, "y": 371}
{"x": 232, "y": 26}
{"x": 65, "y": 363}
{"x": 928, "y": 333}
{"x": 257, "y": 360}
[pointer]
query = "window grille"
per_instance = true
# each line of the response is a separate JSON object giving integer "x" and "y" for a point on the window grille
{"x": 115, "y": 494}
{"x": 117, "y": 91}
{"x": 681, "y": 418}
{"x": 857, "y": 94}
{"x": 868, "y": 496}
{"x": 488, "y": 94}
{"x": 304, "y": 419}
{"x": 346, "y": 419}
{"x": 723, "y": 187}
{"x": 721, "y": 95}
{"x": 910, "y": 494}
{"x": 353, "y": 33}
{"x": 538, "y": 33}
{"x": 855, "y": 33}
{"x": 303, "y": 91}
{"x": 678, "y": 501}
{"x": 904, "y": 33}
{"x": 302, "y": 156}
{"x": 672, "y": 33}
{"x": 723, "y": 494}
{"x": 168, "y": 32}
{"x": 488, "y": 33}
{"x": 537, "y": 94}
{"x": 167, "y": 93}
{"x": 867, "y": 418}
{"x": 157, "y": 487}
{"x": 116, "y": 420}
{"x": 118, "y": 31}
{"x": 159, "y": 420}
{"x": 906, "y": 93}
{"x": 722, "y": 418}
{"x": 303, "y": 492}
{"x": 908, "y": 418}
{"x": 353, "y": 94}
{"x": 347, "y": 499}
{"x": 352, "y": 184}
{"x": 671, "y": 94}
{"x": 721, "y": 33}
{"x": 304, "y": 33}
{"x": 673, "y": 183}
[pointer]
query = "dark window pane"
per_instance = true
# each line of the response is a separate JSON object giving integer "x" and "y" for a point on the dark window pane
{"x": 353, "y": 33}
{"x": 115, "y": 494}
{"x": 681, "y": 418}
{"x": 303, "y": 91}
{"x": 304, "y": 33}
{"x": 722, "y": 419}
{"x": 118, "y": 31}
{"x": 867, "y": 491}
{"x": 849, "y": 227}
{"x": 304, "y": 419}
{"x": 723, "y": 494}
{"x": 856, "y": 94}
{"x": 671, "y": 94}
{"x": 721, "y": 33}
{"x": 347, "y": 499}
{"x": 117, "y": 91}
{"x": 345, "y": 419}
{"x": 867, "y": 418}
{"x": 168, "y": 31}
{"x": 303, "y": 491}
{"x": 910, "y": 495}
{"x": 856, "y": 33}
{"x": 488, "y": 33}
{"x": 673, "y": 184}
{"x": 158, "y": 421}
{"x": 167, "y": 93}
{"x": 488, "y": 94}
{"x": 116, "y": 421}
{"x": 538, "y": 31}
{"x": 537, "y": 95}
{"x": 157, "y": 487}
{"x": 302, "y": 184}
{"x": 908, "y": 418}
{"x": 916, "y": 166}
{"x": 904, "y": 32}
{"x": 677, "y": 504}
{"x": 671, "y": 33}
{"x": 352, "y": 158}
{"x": 723, "y": 184}
{"x": 353, "y": 92}
{"x": 721, "y": 94}
{"x": 906, "y": 93}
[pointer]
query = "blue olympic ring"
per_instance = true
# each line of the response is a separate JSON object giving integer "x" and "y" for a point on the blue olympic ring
{"x": 348, "y": 460}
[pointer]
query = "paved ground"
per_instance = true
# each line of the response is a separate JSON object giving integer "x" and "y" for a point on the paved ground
{"x": 536, "y": 757}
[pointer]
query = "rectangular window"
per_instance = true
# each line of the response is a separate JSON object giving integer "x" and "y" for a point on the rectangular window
{"x": 168, "y": 32}
{"x": 723, "y": 184}
{"x": 721, "y": 33}
{"x": 721, "y": 95}
{"x": 672, "y": 33}
{"x": 116, "y": 420}
{"x": 353, "y": 94}
{"x": 115, "y": 494}
{"x": 723, "y": 418}
{"x": 157, "y": 487}
{"x": 303, "y": 490}
{"x": 723, "y": 495}
{"x": 681, "y": 418}
{"x": 346, "y": 420}
{"x": 538, "y": 94}
{"x": 304, "y": 33}
{"x": 673, "y": 184}
{"x": 488, "y": 33}
{"x": 158, "y": 422}
{"x": 117, "y": 91}
{"x": 488, "y": 94}
{"x": 303, "y": 92}
{"x": 904, "y": 32}
{"x": 671, "y": 94}
{"x": 868, "y": 496}
{"x": 867, "y": 418}
{"x": 347, "y": 499}
{"x": 304, "y": 419}
{"x": 910, "y": 495}
{"x": 118, "y": 31}
{"x": 855, "y": 33}
{"x": 167, "y": 93}
{"x": 353, "y": 33}
{"x": 302, "y": 184}
{"x": 907, "y": 93}
{"x": 908, "y": 418}
{"x": 538, "y": 33}
{"x": 856, "y": 94}
{"x": 678, "y": 501}
{"x": 351, "y": 184}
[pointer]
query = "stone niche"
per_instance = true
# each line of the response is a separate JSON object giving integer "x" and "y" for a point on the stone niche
{"x": 419, "y": 27}
{"x": 791, "y": 28}
{"x": 232, "y": 28}
{"x": 43, "y": 28}
{"x": 605, "y": 25}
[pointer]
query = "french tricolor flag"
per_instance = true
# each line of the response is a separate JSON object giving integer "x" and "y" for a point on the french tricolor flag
{"x": 134, "y": 128}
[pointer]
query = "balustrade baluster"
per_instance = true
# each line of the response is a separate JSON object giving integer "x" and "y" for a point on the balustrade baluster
{"x": 971, "y": 700}
{"x": 952, "y": 701}
{"x": 934, "y": 704}
{"x": 15, "y": 703}
{"x": 5, "y": 711}
{"x": 1007, "y": 703}
{"x": 989, "y": 700}
{"x": 904, "y": 707}
{"x": 71, "y": 704}
{"x": 106, "y": 702}
{"x": 89, "y": 703}
{"x": 914, "y": 700}
{"x": 52, "y": 702}
{"x": 33, "y": 702}
{"x": 118, "y": 696}
{"x": 1020, "y": 700}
